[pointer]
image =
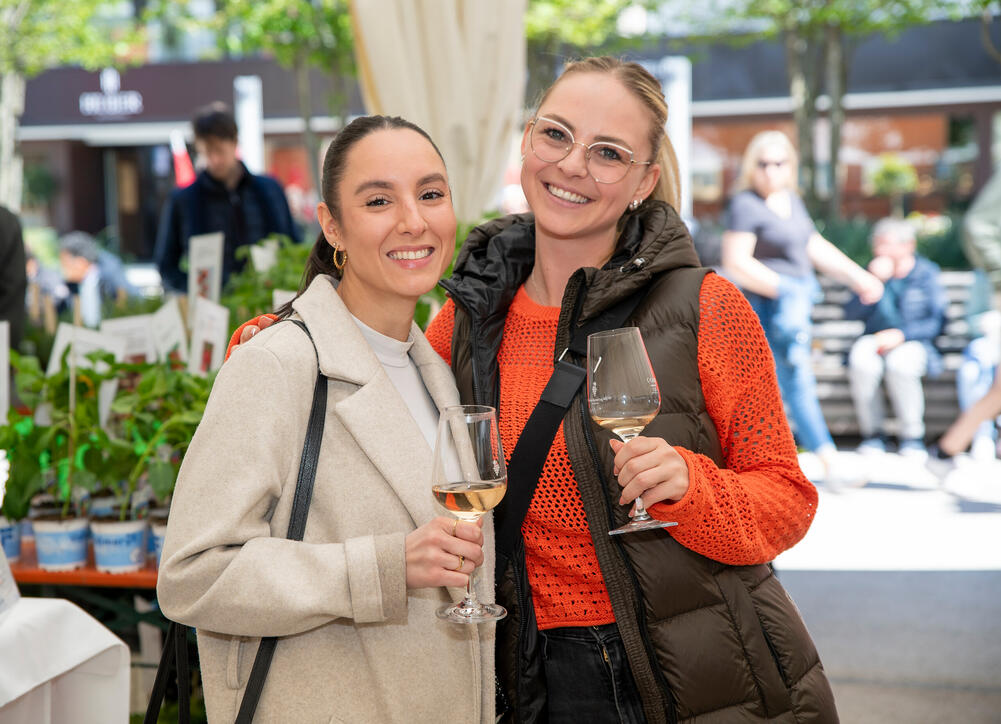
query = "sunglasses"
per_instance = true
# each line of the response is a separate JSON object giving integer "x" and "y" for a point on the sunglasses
{"x": 763, "y": 165}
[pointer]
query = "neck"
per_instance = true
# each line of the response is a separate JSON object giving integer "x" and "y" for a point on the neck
{"x": 391, "y": 317}
{"x": 556, "y": 259}
{"x": 232, "y": 178}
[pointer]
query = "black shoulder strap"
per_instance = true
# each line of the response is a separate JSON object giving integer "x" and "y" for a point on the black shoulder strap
{"x": 296, "y": 528}
{"x": 536, "y": 438}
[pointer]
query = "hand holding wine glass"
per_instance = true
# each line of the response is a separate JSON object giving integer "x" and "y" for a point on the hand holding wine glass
{"x": 469, "y": 478}
{"x": 623, "y": 397}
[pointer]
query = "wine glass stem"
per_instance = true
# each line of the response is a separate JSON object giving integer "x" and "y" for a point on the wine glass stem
{"x": 641, "y": 513}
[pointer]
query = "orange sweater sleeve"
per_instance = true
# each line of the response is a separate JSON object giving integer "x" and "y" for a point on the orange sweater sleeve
{"x": 439, "y": 331}
{"x": 760, "y": 503}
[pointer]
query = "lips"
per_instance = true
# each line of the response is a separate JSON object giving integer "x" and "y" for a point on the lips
{"x": 566, "y": 195}
{"x": 410, "y": 254}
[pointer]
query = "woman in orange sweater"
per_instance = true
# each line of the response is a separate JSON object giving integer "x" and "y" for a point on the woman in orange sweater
{"x": 667, "y": 625}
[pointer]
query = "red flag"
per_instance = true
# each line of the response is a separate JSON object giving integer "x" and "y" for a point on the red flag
{"x": 184, "y": 170}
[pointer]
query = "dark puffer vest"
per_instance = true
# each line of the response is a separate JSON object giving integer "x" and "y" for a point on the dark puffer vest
{"x": 705, "y": 641}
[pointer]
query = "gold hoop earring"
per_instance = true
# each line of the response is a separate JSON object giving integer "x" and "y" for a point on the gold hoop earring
{"x": 340, "y": 263}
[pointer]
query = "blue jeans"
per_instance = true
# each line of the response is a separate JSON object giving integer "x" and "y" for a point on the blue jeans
{"x": 787, "y": 325}
{"x": 588, "y": 677}
{"x": 974, "y": 378}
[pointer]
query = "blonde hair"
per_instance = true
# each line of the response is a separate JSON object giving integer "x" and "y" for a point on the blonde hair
{"x": 646, "y": 88}
{"x": 752, "y": 154}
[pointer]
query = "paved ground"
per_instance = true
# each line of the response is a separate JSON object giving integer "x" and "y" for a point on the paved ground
{"x": 900, "y": 585}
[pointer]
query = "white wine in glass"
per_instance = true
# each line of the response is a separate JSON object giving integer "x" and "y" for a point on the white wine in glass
{"x": 622, "y": 396}
{"x": 469, "y": 479}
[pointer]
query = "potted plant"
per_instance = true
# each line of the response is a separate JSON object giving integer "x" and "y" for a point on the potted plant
{"x": 159, "y": 416}
{"x": 21, "y": 438}
{"x": 68, "y": 403}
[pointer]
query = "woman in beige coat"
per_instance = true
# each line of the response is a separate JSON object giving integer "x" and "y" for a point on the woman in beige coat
{"x": 354, "y": 602}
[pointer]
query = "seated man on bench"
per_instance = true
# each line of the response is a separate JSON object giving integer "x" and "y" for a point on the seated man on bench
{"x": 897, "y": 343}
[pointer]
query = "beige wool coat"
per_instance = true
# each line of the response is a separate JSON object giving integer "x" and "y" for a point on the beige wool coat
{"x": 356, "y": 645}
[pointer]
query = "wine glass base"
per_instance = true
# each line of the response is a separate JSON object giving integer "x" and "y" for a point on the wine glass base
{"x": 635, "y": 526}
{"x": 477, "y": 613}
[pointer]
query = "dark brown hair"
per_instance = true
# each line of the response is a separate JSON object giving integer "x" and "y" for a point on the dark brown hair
{"x": 335, "y": 161}
{"x": 214, "y": 121}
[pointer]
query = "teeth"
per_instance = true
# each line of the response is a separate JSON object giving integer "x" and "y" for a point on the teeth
{"x": 409, "y": 255}
{"x": 567, "y": 195}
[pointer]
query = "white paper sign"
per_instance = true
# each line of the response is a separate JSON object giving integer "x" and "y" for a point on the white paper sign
{"x": 264, "y": 255}
{"x": 4, "y": 371}
{"x": 204, "y": 268}
{"x": 280, "y": 297}
{"x": 137, "y": 331}
{"x": 169, "y": 336}
{"x": 84, "y": 341}
{"x": 209, "y": 337}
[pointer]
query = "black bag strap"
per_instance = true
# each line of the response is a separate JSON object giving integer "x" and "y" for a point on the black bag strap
{"x": 175, "y": 647}
{"x": 296, "y": 528}
{"x": 536, "y": 438}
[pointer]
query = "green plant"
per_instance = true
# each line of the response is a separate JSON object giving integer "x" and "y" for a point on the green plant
{"x": 25, "y": 444}
{"x": 893, "y": 176}
{"x": 248, "y": 293}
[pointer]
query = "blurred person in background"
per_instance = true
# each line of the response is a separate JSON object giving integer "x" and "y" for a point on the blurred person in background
{"x": 898, "y": 343}
{"x": 771, "y": 249}
{"x": 225, "y": 197}
{"x": 982, "y": 244}
{"x": 13, "y": 275}
{"x": 980, "y": 361}
{"x": 93, "y": 274}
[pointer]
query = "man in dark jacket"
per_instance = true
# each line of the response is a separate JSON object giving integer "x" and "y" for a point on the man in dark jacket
{"x": 13, "y": 275}
{"x": 225, "y": 197}
{"x": 897, "y": 344}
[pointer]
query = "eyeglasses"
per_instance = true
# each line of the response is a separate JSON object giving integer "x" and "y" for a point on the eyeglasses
{"x": 763, "y": 165}
{"x": 608, "y": 163}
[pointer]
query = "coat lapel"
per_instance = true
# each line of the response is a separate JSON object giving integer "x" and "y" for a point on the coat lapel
{"x": 375, "y": 414}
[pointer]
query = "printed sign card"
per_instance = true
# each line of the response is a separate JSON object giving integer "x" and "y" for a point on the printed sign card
{"x": 137, "y": 331}
{"x": 83, "y": 341}
{"x": 169, "y": 337}
{"x": 280, "y": 297}
{"x": 264, "y": 255}
{"x": 209, "y": 337}
{"x": 204, "y": 268}
{"x": 4, "y": 371}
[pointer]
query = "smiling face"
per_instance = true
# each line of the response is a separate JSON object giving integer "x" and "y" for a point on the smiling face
{"x": 567, "y": 201}
{"x": 396, "y": 224}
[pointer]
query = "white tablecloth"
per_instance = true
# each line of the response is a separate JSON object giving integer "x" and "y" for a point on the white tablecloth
{"x": 60, "y": 665}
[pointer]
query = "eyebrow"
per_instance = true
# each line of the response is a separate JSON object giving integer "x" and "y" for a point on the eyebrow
{"x": 379, "y": 184}
{"x": 601, "y": 139}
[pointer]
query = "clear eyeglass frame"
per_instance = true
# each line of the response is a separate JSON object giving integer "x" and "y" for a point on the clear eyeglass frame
{"x": 588, "y": 151}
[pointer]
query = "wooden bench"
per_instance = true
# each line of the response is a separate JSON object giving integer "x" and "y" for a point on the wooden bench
{"x": 833, "y": 336}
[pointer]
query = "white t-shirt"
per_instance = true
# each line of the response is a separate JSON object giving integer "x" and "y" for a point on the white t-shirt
{"x": 395, "y": 358}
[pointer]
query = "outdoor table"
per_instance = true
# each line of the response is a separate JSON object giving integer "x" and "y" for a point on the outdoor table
{"x": 59, "y": 664}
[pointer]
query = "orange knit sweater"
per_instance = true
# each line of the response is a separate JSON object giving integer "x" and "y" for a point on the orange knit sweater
{"x": 758, "y": 505}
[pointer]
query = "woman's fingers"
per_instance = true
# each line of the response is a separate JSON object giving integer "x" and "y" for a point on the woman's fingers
{"x": 650, "y": 468}
{"x": 437, "y": 557}
{"x": 248, "y": 332}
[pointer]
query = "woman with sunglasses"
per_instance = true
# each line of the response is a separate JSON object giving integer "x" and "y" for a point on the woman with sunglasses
{"x": 667, "y": 625}
{"x": 770, "y": 250}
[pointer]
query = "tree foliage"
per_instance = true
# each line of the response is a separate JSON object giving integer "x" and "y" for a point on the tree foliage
{"x": 36, "y": 35}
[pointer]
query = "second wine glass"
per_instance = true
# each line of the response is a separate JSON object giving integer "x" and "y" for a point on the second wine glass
{"x": 623, "y": 397}
{"x": 469, "y": 478}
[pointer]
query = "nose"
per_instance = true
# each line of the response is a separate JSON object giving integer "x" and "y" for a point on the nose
{"x": 411, "y": 221}
{"x": 575, "y": 164}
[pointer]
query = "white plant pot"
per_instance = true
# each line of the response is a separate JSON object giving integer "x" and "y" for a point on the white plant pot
{"x": 61, "y": 545}
{"x": 10, "y": 538}
{"x": 119, "y": 546}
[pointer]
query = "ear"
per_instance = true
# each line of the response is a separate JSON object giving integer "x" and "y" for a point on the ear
{"x": 526, "y": 144}
{"x": 649, "y": 181}
{"x": 328, "y": 224}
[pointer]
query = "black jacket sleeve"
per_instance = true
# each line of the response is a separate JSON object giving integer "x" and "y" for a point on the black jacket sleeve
{"x": 170, "y": 246}
{"x": 13, "y": 275}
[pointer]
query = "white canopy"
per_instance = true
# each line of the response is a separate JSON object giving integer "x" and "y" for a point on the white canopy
{"x": 456, "y": 68}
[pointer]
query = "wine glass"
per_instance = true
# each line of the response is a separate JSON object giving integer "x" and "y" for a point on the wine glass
{"x": 469, "y": 478}
{"x": 623, "y": 397}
